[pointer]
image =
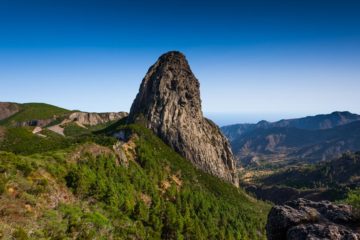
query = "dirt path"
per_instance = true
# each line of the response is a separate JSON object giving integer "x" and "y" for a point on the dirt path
{"x": 57, "y": 129}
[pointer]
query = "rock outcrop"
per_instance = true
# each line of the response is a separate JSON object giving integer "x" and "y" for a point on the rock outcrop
{"x": 92, "y": 119}
{"x": 169, "y": 103}
{"x": 304, "y": 219}
{"x": 36, "y": 122}
{"x": 8, "y": 109}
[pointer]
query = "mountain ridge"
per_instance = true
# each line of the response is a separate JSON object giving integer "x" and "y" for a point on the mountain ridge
{"x": 310, "y": 139}
{"x": 319, "y": 121}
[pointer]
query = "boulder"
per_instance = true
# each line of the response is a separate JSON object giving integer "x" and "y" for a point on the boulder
{"x": 305, "y": 219}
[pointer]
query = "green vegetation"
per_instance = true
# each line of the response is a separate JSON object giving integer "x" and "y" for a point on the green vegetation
{"x": 34, "y": 111}
{"x": 332, "y": 174}
{"x": 74, "y": 130}
{"x": 21, "y": 140}
{"x": 75, "y": 188}
{"x": 353, "y": 199}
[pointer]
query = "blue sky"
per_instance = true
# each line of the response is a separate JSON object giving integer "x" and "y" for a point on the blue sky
{"x": 254, "y": 59}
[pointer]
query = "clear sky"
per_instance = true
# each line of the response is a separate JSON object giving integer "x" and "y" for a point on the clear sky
{"x": 269, "y": 59}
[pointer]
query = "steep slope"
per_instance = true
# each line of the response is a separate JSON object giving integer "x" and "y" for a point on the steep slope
{"x": 169, "y": 104}
{"x": 139, "y": 188}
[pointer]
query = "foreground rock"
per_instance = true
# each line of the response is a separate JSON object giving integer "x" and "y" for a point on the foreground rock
{"x": 304, "y": 219}
{"x": 169, "y": 103}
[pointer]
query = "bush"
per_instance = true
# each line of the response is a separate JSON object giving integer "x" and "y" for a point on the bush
{"x": 20, "y": 234}
{"x": 353, "y": 199}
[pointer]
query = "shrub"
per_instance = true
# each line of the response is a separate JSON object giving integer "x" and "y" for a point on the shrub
{"x": 353, "y": 199}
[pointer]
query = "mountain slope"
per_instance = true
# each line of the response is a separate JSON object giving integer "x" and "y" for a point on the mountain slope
{"x": 138, "y": 188}
{"x": 329, "y": 180}
{"x": 7, "y": 109}
{"x": 281, "y": 141}
{"x": 61, "y": 121}
{"x": 340, "y": 172}
{"x": 28, "y": 112}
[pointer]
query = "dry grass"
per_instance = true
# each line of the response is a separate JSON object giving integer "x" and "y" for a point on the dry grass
{"x": 146, "y": 199}
{"x": 248, "y": 176}
{"x": 91, "y": 149}
{"x": 19, "y": 208}
{"x": 130, "y": 148}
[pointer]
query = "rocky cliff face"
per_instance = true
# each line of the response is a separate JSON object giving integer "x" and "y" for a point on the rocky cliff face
{"x": 169, "y": 103}
{"x": 303, "y": 219}
{"x": 92, "y": 119}
{"x": 8, "y": 109}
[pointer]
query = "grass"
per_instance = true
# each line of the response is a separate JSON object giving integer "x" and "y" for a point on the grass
{"x": 73, "y": 130}
{"x": 21, "y": 140}
{"x": 34, "y": 111}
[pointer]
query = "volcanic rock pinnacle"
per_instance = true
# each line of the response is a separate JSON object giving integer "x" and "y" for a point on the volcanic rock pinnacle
{"x": 169, "y": 104}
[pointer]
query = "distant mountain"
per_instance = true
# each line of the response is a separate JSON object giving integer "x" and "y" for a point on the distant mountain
{"x": 321, "y": 121}
{"x": 308, "y": 139}
{"x": 43, "y": 116}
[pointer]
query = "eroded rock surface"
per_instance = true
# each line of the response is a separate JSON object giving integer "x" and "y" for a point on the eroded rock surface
{"x": 169, "y": 103}
{"x": 92, "y": 119}
{"x": 304, "y": 219}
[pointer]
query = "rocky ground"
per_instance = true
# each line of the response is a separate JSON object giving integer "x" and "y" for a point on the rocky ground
{"x": 304, "y": 219}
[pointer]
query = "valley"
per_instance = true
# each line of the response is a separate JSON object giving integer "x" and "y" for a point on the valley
{"x": 312, "y": 157}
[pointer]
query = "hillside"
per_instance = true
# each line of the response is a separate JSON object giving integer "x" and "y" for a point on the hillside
{"x": 274, "y": 143}
{"x": 28, "y": 112}
{"x": 7, "y": 109}
{"x": 340, "y": 172}
{"x": 328, "y": 180}
{"x": 95, "y": 187}
{"x": 40, "y": 117}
